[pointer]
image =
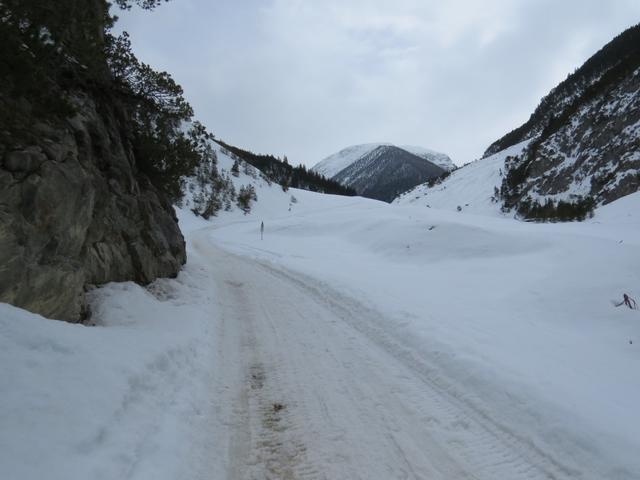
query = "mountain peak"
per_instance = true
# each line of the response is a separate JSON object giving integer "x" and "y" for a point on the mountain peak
{"x": 383, "y": 170}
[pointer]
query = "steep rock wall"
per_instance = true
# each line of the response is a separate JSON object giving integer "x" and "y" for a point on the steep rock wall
{"x": 75, "y": 211}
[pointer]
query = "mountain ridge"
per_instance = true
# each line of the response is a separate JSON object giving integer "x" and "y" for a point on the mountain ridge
{"x": 382, "y": 170}
{"x": 580, "y": 149}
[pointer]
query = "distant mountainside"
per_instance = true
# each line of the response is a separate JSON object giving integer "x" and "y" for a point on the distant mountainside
{"x": 383, "y": 171}
{"x": 585, "y": 139}
{"x": 579, "y": 149}
{"x": 280, "y": 172}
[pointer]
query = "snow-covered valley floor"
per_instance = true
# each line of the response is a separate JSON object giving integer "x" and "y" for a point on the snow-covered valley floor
{"x": 323, "y": 389}
{"x": 357, "y": 340}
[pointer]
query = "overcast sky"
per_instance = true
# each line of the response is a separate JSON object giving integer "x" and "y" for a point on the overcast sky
{"x": 307, "y": 78}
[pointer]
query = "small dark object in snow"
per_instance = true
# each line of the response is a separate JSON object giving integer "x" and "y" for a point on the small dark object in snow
{"x": 628, "y": 301}
{"x": 432, "y": 227}
{"x": 278, "y": 406}
{"x": 459, "y": 208}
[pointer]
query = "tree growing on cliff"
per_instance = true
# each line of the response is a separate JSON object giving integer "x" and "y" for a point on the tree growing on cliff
{"x": 164, "y": 151}
{"x": 53, "y": 51}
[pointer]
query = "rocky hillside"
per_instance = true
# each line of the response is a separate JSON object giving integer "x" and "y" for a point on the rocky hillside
{"x": 88, "y": 163}
{"x": 382, "y": 171}
{"x": 585, "y": 139}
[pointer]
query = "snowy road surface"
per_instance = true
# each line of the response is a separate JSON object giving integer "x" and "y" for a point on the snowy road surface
{"x": 358, "y": 340}
{"x": 317, "y": 388}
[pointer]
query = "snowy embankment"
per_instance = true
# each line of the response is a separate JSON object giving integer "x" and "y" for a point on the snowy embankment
{"x": 118, "y": 399}
{"x": 520, "y": 315}
{"x": 512, "y": 323}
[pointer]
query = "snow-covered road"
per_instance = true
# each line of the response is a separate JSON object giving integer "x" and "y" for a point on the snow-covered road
{"x": 316, "y": 387}
{"x": 357, "y": 340}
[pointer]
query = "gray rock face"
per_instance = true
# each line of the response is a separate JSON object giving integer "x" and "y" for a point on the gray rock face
{"x": 594, "y": 153}
{"x": 75, "y": 212}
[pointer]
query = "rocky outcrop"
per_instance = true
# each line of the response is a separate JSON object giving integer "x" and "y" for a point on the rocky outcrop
{"x": 595, "y": 152}
{"x": 584, "y": 139}
{"x": 75, "y": 211}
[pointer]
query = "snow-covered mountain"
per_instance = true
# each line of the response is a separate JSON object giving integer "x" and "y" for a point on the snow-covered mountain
{"x": 382, "y": 170}
{"x": 585, "y": 138}
{"x": 579, "y": 149}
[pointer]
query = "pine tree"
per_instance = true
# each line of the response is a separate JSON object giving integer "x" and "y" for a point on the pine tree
{"x": 246, "y": 196}
{"x": 235, "y": 169}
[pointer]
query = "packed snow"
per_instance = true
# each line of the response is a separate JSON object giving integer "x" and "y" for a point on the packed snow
{"x": 356, "y": 340}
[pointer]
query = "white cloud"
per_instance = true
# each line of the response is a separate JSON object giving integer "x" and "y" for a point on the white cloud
{"x": 307, "y": 78}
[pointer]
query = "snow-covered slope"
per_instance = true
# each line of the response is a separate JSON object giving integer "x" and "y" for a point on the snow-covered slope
{"x": 519, "y": 314}
{"x": 472, "y": 187}
{"x": 382, "y": 171}
{"x": 215, "y": 183}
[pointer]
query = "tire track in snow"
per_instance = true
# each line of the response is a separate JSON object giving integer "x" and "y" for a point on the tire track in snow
{"x": 502, "y": 448}
{"x": 357, "y": 402}
{"x": 267, "y": 444}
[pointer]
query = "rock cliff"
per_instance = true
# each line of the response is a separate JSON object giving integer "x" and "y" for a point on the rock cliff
{"x": 75, "y": 211}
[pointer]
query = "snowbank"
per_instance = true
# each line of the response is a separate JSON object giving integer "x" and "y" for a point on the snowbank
{"x": 522, "y": 314}
{"x": 115, "y": 400}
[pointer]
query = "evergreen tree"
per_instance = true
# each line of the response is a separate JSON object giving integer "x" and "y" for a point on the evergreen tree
{"x": 246, "y": 196}
{"x": 53, "y": 51}
{"x": 235, "y": 169}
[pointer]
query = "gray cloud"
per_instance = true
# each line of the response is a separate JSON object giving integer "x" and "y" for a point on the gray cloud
{"x": 306, "y": 78}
